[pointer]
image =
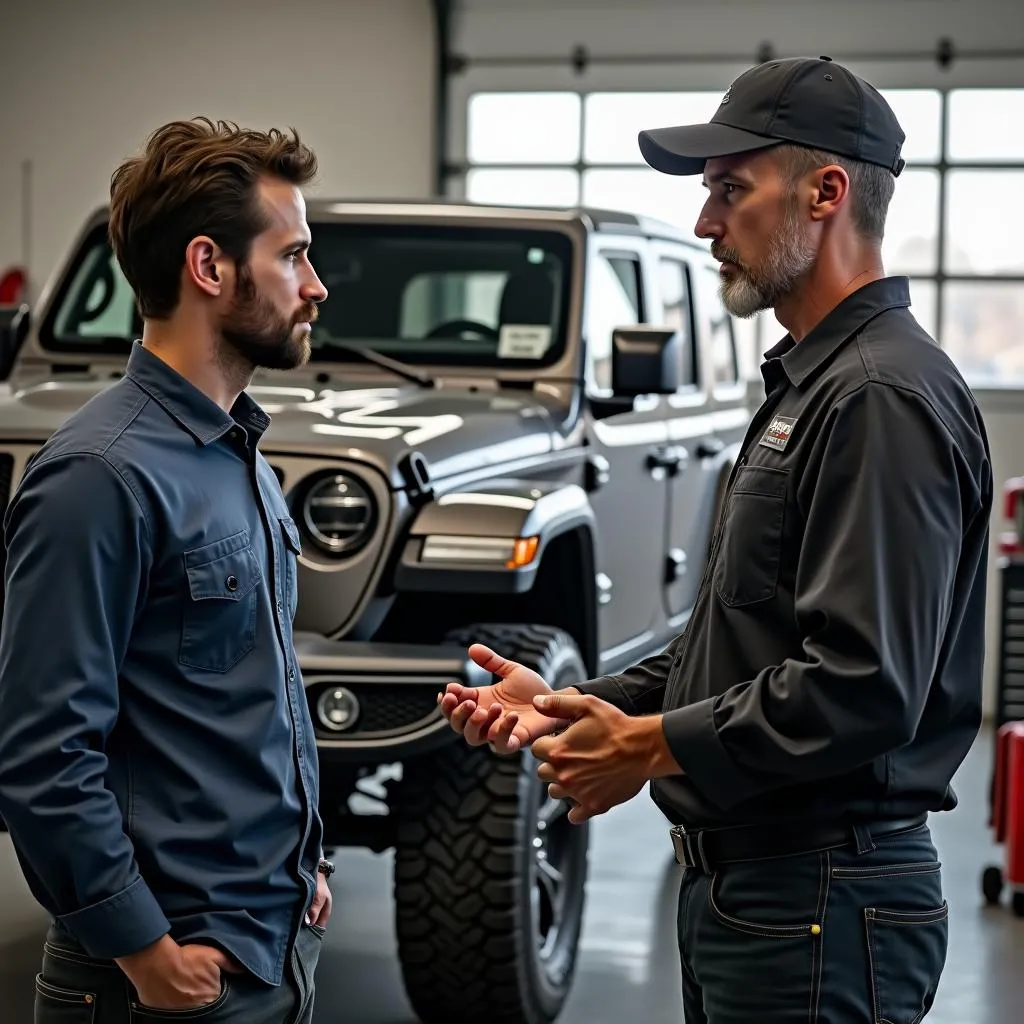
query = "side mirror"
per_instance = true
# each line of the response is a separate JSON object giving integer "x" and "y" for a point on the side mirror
{"x": 645, "y": 361}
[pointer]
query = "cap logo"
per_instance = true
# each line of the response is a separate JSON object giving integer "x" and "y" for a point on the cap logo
{"x": 728, "y": 93}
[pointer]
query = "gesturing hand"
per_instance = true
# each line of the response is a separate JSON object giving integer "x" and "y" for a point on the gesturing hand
{"x": 602, "y": 759}
{"x": 502, "y": 714}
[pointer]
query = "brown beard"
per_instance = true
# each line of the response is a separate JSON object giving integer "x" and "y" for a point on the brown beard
{"x": 255, "y": 332}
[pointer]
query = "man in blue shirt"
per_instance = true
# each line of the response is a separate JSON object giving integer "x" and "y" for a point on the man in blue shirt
{"x": 158, "y": 770}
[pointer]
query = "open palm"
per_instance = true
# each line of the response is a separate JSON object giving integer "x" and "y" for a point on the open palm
{"x": 501, "y": 714}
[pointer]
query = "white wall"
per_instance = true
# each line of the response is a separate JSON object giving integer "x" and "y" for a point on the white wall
{"x": 95, "y": 77}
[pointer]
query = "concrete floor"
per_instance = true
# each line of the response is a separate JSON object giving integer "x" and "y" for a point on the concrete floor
{"x": 628, "y": 967}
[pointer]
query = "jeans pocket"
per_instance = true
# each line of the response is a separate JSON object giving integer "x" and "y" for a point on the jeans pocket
{"x": 736, "y": 897}
{"x": 149, "y": 1013}
{"x": 907, "y": 952}
{"x": 58, "y": 1005}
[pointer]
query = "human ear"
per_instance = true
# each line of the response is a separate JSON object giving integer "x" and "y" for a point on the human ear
{"x": 206, "y": 265}
{"x": 831, "y": 189}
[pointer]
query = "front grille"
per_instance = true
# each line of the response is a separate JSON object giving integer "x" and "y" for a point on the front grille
{"x": 385, "y": 709}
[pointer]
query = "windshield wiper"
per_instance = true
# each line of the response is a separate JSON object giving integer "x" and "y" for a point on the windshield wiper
{"x": 373, "y": 356}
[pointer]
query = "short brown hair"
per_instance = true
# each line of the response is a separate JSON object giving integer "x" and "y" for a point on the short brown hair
{"x": 871, "y": 186}
{"x": 194, "y": 177}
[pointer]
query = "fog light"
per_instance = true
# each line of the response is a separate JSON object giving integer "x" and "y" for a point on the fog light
{"x": 337, "y": 708}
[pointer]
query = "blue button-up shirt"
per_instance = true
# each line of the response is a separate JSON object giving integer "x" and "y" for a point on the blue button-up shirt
{"x": 158, "y": 767}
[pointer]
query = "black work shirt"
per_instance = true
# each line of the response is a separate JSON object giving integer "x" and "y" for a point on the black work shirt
{"x": 158, "y": 769}
{"x": 832, "y": 666}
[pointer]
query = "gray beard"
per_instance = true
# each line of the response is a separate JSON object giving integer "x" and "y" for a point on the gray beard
{"x": 790, "y": 255}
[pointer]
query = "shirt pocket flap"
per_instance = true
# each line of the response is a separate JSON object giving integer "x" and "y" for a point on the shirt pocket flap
{"x": 225, "y": 569}
{"x": 291, "y": 535}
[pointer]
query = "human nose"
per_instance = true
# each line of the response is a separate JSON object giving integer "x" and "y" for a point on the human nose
{"x": 707, "y": 226}
{"x": 313, "y": 289}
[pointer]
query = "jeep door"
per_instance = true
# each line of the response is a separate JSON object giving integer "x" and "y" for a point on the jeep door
{"x": 630, "y": 506}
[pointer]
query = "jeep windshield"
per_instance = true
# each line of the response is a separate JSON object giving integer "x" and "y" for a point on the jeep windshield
{"x": 439, "y": 294}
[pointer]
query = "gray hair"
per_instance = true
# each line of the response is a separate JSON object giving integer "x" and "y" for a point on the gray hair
{"x": 871, "y": 186}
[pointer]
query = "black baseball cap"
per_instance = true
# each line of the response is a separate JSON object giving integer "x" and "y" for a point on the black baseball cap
{"x": 810, "y": 101}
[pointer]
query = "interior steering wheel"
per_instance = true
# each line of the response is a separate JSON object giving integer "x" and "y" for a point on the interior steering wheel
{"x": 455, "y": 328}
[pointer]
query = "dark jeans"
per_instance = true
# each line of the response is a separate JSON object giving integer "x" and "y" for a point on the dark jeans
{"x": 74, "y": 988}
{"x": 837, "y": 937}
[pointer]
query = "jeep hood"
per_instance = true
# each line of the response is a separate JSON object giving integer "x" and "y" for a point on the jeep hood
{"x": 456, "y": 430}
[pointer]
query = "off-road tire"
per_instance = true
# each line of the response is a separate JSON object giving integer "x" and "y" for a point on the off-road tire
{"x": 465, "y": 861}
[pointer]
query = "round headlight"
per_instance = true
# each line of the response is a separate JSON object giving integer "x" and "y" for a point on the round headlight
{"x": 338, "y": 512}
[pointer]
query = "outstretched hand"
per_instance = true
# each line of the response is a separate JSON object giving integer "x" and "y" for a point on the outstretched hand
{"x": 502, "y": 714}
{"x": 603, "y": 758}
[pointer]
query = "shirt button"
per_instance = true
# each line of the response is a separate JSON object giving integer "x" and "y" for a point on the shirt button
{"x": 291, "y": 673}
{"x": 231, "y": 583}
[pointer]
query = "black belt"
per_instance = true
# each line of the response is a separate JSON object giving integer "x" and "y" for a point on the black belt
{"x": 704, "y": 849}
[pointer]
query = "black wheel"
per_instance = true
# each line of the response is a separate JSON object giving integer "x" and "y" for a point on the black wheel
{"x": 490, "y": 875}
{"x": 992, "y": 885}
{"x": 1017, "y": 903}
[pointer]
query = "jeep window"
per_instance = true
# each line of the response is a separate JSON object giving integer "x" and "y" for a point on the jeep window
{"x": 677, "y": 312}
{"x": 725, "y": 363}
{"x": 97, "y": 306}
{"x": 614, "y": 299}
{"x": 445, "y": 294}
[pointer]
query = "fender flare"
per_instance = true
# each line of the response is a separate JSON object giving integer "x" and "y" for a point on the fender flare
{"x": 458, "y": 521}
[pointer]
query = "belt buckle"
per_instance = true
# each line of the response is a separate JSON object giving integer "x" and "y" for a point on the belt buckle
{"x": 689, "y": 848}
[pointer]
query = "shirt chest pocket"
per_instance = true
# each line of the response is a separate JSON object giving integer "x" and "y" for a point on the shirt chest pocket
{"x": 293, "y": 548}
{"x": 747, "y": 568}
{"x": 221, "y": 597}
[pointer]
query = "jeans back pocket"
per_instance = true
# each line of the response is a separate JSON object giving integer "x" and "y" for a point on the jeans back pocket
{"x": 907, "y": 952}
{"x": 221, "y": 596}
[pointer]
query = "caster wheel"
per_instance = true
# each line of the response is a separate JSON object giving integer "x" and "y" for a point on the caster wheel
{"x": 992, "y": 885}
{"x": 1018, "y": 904}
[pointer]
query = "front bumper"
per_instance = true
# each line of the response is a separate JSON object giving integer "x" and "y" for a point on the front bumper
{"x": 390, "y": 691}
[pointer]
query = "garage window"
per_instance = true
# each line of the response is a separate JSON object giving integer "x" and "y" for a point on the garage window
{"x": 953, "y": 228}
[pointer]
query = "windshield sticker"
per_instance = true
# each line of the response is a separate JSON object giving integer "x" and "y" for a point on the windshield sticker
{"x": 523, "y": 341}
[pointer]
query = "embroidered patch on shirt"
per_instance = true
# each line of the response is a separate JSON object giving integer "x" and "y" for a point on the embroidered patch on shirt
{"x": 778, "y": 433}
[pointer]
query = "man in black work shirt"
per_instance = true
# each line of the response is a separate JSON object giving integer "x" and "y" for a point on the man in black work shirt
{"x": 828, "y": 683}
{"x": 158, "y": 769}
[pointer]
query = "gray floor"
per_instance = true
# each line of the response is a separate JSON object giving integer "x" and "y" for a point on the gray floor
{"x": 628, "y": 969}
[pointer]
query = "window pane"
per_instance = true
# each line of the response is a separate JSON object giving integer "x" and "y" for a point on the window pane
{"x": 919, "y": 112}
{"x": 725, "y": 368}
{"x": 924, "y": 298}
{"x": 524, "y": 128}
{"x": 529, "y": 187}
{"x": 981, "y": 330}
{"x": 612, "y": 120}
{"x": 911, "y": 243}
{"x": 677, "y": 200}
{"x": 674, "y": 285}
{"x": 977, "y": 241}
{"x": 984, "y": 124}
{"x": 612, "y": 304}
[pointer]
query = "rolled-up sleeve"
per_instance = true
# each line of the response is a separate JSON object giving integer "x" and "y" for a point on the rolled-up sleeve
{"x": 78, "y": 556}
{"x": 878, "y": 571}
